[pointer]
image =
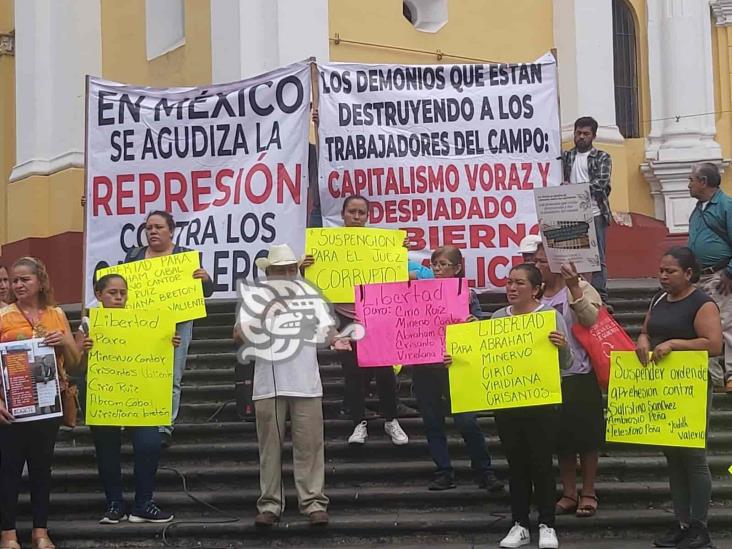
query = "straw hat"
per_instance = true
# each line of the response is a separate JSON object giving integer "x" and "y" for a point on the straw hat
{"x": 279, "y": 254}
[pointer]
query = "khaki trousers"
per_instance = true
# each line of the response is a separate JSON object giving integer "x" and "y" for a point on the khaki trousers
{"x": 308, "y": 455}
{"x": 720, "y": 370}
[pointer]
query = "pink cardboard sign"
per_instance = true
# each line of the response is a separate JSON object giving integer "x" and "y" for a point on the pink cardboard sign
{"x": 405, "y": 321}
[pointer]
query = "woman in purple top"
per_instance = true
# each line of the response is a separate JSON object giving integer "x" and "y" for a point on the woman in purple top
{"x": 581, "y": 421}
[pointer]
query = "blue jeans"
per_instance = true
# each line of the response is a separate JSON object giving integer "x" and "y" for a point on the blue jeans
{"x": 146, "y": 446}
{"x": 599, "y": 278}
{"x": 185, "y": 331}
{"x": 431, "y": 388}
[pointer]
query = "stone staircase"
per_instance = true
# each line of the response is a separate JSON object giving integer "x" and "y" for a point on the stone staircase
{"x": 378, "y": 493}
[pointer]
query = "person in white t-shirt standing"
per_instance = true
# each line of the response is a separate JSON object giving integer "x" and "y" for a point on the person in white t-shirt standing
{"x": 586, "y": 164}
{"x": 281, "y": 386}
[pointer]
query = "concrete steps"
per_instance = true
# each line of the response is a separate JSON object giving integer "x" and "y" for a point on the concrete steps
{"x": 378, "y": 493}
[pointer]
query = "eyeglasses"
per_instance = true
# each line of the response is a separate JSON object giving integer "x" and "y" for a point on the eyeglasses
{"x": 442, "y": 265}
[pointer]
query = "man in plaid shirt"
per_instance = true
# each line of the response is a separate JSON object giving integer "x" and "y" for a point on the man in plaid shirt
{"x": 586, "y": 164}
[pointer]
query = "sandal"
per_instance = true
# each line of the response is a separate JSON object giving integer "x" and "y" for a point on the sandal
{"x": 585, "y": 511}
{"x": 565, "y": 510}
{"x": 11, "y": 544}
{"x": 43, "y": 543}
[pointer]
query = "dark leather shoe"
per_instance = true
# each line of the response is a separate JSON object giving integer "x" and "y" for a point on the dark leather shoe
{"x": 441, "y": 481}
{"x": 318, "y": 518}
{"x": 266, "y": 519}
{"x": 696, "y": 538}
{"x": 672, "y": 537}
{"x": 489, "y": 481}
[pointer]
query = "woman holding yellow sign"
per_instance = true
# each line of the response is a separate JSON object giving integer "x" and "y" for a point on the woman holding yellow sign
{"x": 111, "y": 292}
{"x": 528, "y": 434}
{"x": 355, "y": 213}
{"x": 683, "y": 318}
{"x": 159, "y": 231}
{"x": 31, "y": 314}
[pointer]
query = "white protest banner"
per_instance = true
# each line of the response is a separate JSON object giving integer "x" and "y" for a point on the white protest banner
{"x": 228, "y": 161}
{"x": 449, "y": 153}
{"x": 568, "y": 227}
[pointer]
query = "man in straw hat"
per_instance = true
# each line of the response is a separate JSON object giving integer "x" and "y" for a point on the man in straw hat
{"x": 285, "y": 385}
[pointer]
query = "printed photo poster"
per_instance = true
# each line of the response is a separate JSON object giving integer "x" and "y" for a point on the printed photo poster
{"x": 449, "y": 153}
{"x": 228, "y": 161}
{"x": 568, "y": 227}
{"x": 30, "y": 380}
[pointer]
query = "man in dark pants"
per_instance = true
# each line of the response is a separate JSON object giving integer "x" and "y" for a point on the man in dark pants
{"x": 586, "y": 164}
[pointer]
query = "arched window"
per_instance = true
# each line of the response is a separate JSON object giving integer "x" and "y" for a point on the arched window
{"x": 625, "y": 62}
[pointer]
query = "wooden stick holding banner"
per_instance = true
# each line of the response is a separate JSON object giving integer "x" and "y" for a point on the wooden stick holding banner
{"x": 84, "y": 281}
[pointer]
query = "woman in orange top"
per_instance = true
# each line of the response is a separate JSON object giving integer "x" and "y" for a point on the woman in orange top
{"x": 31, "y": 314}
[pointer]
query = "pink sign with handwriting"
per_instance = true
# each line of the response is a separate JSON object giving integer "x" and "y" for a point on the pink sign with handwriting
{"x": 405, "y": 321}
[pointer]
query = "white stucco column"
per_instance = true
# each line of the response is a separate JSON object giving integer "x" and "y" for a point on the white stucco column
{"x": 682, "y": 88}
{"x": 583, "y": 36}
{"x": 256, "y": 36}
{"x": 57, "y": 43}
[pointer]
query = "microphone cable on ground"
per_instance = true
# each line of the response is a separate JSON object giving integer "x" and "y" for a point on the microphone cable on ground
{"x": 225, "y": 518}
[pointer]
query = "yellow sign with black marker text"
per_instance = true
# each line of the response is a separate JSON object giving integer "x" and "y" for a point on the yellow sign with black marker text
{"x": 504, "y": 363}
{"x": 164, "y": 283}
{"x": 130, "y": 368}
{"x": 346, "y": 257}
{"x": 661, "y": 404}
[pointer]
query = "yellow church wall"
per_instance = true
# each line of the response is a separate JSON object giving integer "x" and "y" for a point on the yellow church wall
{"x": 124, "y": 56}
{"x": 722, "y": 64}
{"x": 44, "y": 206}
{"x": 7, "y": 111}
{"x": 471, "y": 31}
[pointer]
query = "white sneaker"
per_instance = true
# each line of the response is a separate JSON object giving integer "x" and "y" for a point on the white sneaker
{"x": 395, "y": 431}
{"x": 547, "y": 537}
{"x": 359, "y": 435}
{"x": 518, "y": 536}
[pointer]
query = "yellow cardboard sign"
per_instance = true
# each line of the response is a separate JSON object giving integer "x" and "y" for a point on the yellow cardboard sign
{"x": 346, "y": 257}
{"x": 503, "y": 363}
{"x": 130, "y": 368}
{"x": 663, "y": 404}
{"x": 164, "y": 283}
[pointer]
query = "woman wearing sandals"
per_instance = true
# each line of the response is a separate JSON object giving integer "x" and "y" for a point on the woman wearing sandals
{"x": 581, "y": 421}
